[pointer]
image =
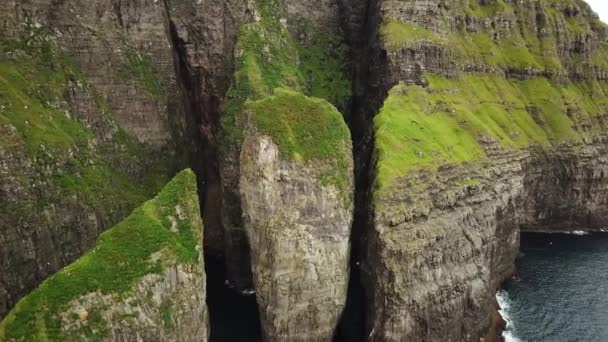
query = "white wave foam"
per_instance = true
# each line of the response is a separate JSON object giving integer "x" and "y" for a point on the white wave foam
{"x": 248, "y": 292}
{"x": 575, "y": 232}
{"x": 502, "y": 297}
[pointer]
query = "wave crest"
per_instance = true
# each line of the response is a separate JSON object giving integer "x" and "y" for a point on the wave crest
{"x": 504, "y": 304}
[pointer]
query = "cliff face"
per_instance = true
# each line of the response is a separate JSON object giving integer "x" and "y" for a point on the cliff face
{"x": 143, "y": 280}
{"x": 287, "y": 169}
{"x": 92, "y": 125}
{"x": 469, "y": 120}
{"x": 494, "y": 121}
{"x": 296, "y": 46}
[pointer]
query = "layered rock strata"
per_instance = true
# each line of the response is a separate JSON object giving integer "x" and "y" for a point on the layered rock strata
{"x": 493, "y": 123}
{"x": 92, "y": 125}
{"x": 298, "y": 225}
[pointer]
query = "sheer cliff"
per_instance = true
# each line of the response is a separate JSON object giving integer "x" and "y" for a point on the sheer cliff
{"x": 365, "y": 167}
{"x": 493, "y": 122}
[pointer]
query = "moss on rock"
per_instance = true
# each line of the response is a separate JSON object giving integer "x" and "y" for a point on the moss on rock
{"x": 500, "y": 35}
{"x": 268, "y": 57}
{"x": 287, "y": 85}
{"x": 168, "y": 225}
{"x": 307, "y": 130}
{"x": 35, "y": 76}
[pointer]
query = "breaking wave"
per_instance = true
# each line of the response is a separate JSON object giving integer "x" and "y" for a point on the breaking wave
{"x": 502, "y": 297}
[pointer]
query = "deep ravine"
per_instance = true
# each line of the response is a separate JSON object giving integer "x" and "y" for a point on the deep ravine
{"x": 233, "y": 315}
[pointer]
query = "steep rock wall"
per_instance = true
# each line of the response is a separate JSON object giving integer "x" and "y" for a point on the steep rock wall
{"x": 287, "y": 168}
{"x": 494, "y": 122}
{"x": 291, "y": 45}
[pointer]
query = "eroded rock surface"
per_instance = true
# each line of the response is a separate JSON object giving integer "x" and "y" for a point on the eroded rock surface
{"x": 94, "y": 126}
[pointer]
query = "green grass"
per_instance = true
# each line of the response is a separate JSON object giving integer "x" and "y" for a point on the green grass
{"x": 268, "y": 57}
{"x": 166, "y": 315}
{"x": 324, "y": 67}
{"x": 517, "y": 48}
{"x": 306, "y": 129}
{"x": 120, "y": 258}
{"x": 142, "y": 69}
{"x": 420, "y": 128}
{"x": 397, "y": 34}
{"x": 287, "y": 84}
{"x": 34, "y": 79}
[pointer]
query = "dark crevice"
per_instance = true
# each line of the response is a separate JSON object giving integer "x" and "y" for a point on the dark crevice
{"x": 369, "y": 91}
{"x": 233, "y": 316}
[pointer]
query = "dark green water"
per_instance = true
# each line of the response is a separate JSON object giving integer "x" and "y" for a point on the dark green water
{"x": 560, "y": 292}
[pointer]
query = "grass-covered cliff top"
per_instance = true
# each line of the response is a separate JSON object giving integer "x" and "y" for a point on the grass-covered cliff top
{"x": 509, "y": 36}
{"x": 287, "y": 86}
{"x": 169, "y": 224}
{"x": 424, "y": 127}
{"x": 306, "y": 129}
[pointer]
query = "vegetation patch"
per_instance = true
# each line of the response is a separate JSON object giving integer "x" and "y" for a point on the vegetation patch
{"x": 513, "y": 48}
{"x": 286, "y": 84}
{"x": 305, "y": 129}
{"x": 140, "y": 67}
{"x": 120, "y": 258}
{"x": 444, "y": 122}
{"x": 268, "y": 57}
{"x": 35, "y": 76}
{"x": 397, "y": 34}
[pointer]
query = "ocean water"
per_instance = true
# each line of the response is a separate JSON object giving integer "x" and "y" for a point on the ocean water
{"x": 560, "y": 292}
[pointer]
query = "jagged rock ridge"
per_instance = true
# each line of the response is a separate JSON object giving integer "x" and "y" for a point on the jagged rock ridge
{"x": 143, "y": 280}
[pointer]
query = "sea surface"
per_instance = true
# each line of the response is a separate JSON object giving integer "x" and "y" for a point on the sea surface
{"x": 560, "y": 291}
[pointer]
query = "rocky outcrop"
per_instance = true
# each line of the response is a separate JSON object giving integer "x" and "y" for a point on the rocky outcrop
{"x": 287, "y": 168}
{"x": 143, "y": 280}
{"x": 296, "y": 45}
{"x": 298, "y": 225}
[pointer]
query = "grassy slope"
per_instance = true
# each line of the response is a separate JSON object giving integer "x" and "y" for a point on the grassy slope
{"x": 515, "y": 49}
{"x": 275, "y": 80}
{"x": 120, "y": 257}
{"x": 427, "y": 127}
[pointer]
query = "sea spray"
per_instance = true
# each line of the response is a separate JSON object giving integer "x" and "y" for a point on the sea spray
{"x": 504, "y": 303}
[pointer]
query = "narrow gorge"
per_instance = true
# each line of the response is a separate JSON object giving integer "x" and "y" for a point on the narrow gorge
{"x": 362, "y": 169}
